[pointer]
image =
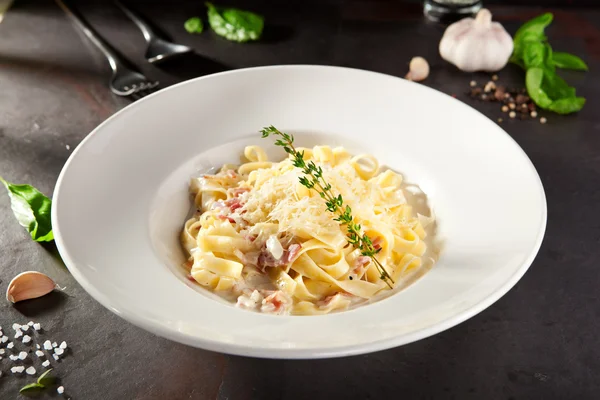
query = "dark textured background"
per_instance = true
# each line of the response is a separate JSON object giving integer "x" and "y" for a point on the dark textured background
{"x": 540, "y": 341}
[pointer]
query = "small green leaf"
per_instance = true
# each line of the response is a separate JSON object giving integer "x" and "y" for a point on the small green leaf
{"x": 533, "y": 55}
{"x": 234, "y": 24}
{"x": 44, "y": 379}
{"x": 194, "y": 25}
{"x": 567, "y": 105}
{"x": 32, "y": 210}
{"x": 569, "y": 61}
{"x": 534, "y": 28}
{"x": 556, "y": 87}
{"x": 32, "y": 387}
{"x": 533, "y": 82}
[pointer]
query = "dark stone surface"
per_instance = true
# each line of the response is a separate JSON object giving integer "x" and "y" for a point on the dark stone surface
{"x": 540, "y": 341}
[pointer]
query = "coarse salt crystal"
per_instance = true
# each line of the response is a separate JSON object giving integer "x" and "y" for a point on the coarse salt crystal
{"x": 37, "y": 346}
{"x": 30, "y": 323}
{"x": 63, "y": 345}
{"x": 68, "y": 147}
{"x": 37, "y": 326}
{"x": 16, "y": 327}
{"x": 59, "y": 351}
{"x": 17, "y": 370}
{"x": 39, "y": 353}
{"x": 54, "y": 344}
{"x": 24, "y": 328}
{"x": 13, "y": 357}
{"x": 30, "y": 371}
{"x": 18, "y": 334}
{"x": 46, "y": 364}
{"x": 2, "y": 351}
{"x": 47, "y": 345}
{"x": 60, "y": 389}
{"x": 22, "y": 355}
{"x": 10, "y": 345}
{"x": 55, "y": 356}
{"x": 4, "y": 339}
{"x": 26, "y": 339}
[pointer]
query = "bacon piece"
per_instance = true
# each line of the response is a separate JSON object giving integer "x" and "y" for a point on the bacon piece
{"x": 275, "y": 302}
{"x": 234, "y": 204}
{"x": 377, "y": 242}
{"x": 225, "y": 217}
{"x": 266, "y": 260}
{"x": 236, "y": 192}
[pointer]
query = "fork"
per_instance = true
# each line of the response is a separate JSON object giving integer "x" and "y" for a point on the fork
{"x": 158, "y": 48}
{"x": 125, "y": 81}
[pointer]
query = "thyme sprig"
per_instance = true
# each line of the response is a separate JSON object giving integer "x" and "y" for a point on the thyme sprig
{"x": 313, "y": 179}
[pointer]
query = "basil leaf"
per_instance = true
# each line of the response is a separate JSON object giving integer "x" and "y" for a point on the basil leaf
{"x": 533, "y": 82}
{"x": 548, "y": 62}
{"x": 521, "y": 44}
{"x": 44, "y": 379}
{"x": 32, "y": 387}
{"x": 556, "y": 87}
{"x": 567, "y": 105}
{"x": 534, "y": 55}
{"x": 234, "y": 24}
{"x": 534, "y": 28}
{"x": 569, "y": 61}
{"x": 194, "y": 25}
{"x": 32, "y": 210}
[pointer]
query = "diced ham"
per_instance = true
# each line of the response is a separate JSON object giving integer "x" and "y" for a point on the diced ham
{"x": 275, "y": 302}
{"x": 293, "y": 252}
{"x": 225, "y": 217}
{"x": 234, "y": 204}
{"x": 236, "y": 192}
{"x": 377, "y": 242}
{"x": 289, "y": 255}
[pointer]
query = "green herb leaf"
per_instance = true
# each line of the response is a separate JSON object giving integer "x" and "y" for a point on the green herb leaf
{"x": 567, "y": 105}
{"x": 533, "y": 82}
{"x": 534, "y": 55}
{"x": 234, "y": 24}
{"x": 556, "y": 87}
{"x": 569, "y": 61}
{"x": 32, "y": 387}
{"x": 534, "y": 28}
{"x": 32, "y": 210}
{"x": 44, "y": 379}
{"x": 194, "y": 25}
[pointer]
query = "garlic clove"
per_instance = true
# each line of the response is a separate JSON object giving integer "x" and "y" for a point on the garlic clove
{"x": 29, "y": 285}
{"x": 418, "y": 69}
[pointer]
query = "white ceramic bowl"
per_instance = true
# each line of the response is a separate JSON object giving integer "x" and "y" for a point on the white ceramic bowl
{"x": 121, "y": 200}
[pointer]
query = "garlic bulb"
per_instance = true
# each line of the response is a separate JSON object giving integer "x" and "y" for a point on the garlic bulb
{"x": 477, "y": 44}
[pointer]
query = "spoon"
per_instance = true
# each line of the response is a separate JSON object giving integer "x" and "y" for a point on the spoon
{"x": 159, "y": 49}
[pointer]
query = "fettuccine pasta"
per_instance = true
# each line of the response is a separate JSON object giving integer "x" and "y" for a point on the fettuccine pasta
{"x": 260, "y": 238}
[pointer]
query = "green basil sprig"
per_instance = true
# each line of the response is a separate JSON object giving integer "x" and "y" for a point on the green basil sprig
{"x": 534, "y": 54}
{"x": 32, "y": 210}
{"x": 234, "y": 24}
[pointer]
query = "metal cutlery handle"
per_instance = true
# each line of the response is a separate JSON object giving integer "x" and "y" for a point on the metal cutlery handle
{"x": 146, "y": 29}
{"x": 113, "y": 58}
